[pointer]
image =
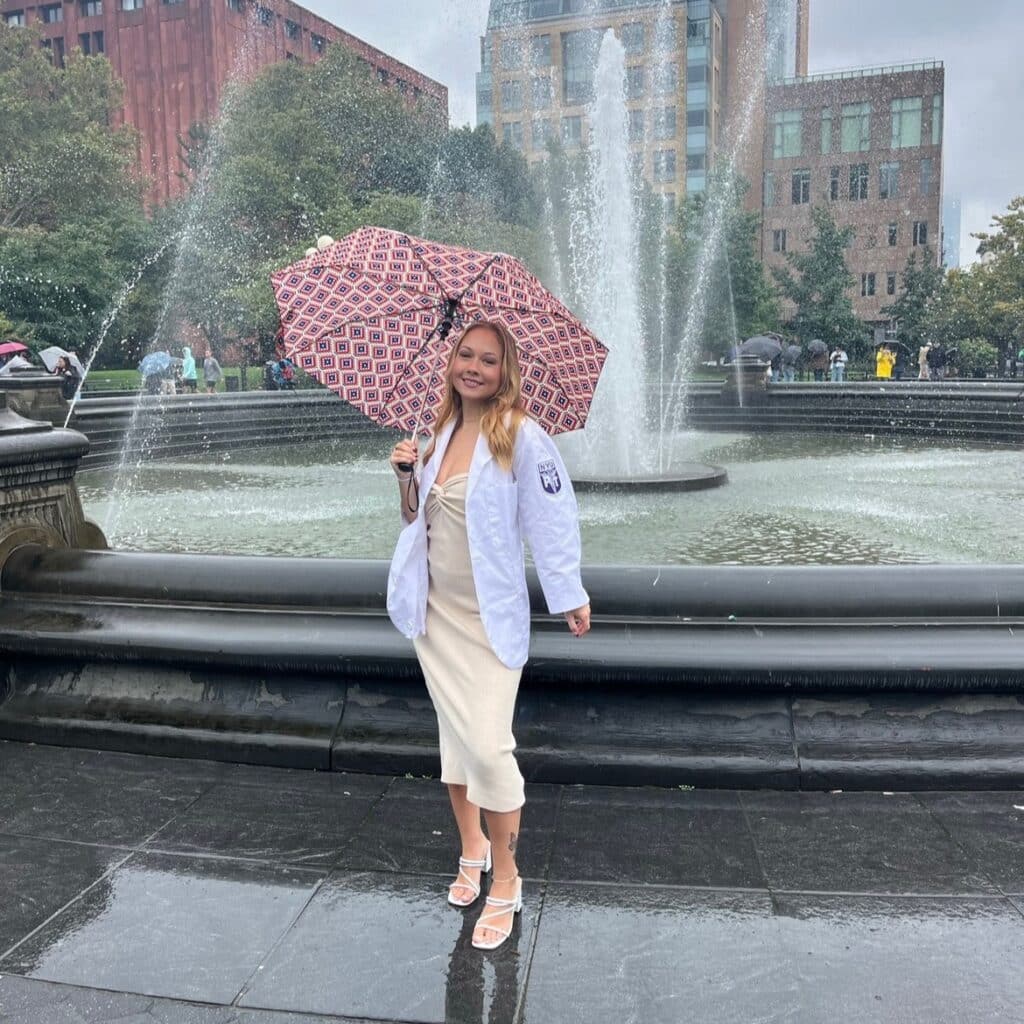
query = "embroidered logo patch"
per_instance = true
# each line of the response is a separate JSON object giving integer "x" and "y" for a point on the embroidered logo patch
{"x": 549, "y": 476}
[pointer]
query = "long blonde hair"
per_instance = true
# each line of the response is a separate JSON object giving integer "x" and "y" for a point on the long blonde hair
{"x": 504, "y": 411}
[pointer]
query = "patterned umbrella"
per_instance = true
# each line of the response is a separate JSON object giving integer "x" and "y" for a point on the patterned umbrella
{"x": 373, "y": 316}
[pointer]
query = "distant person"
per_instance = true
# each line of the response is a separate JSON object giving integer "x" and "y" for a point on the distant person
{"x": 152, "y": 383}
{"x": 899, "y": 366}
{"x": 937, "y": 362}
{"x": 188, "y": 370}
{"x": 789, "y": 359}
{"x": 69, "y": 378}
{"x": 837, "y": 364}
{"x": 819, "y": 363}
{"x": 287, "y": 368}
{"x": 212, "y": 373}
{"x": 884, "y": 361}
{"x": 922, "y": 361}
{"x": 1020, "y": 357}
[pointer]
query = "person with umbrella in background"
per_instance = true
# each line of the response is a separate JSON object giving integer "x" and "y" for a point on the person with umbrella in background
{"x": 470, "y": 344}
{"x": 819, "y": 358}
{"x": 69, "y": 378}
{"x": 884, "y": 362}
{"x": 790, "y": 357}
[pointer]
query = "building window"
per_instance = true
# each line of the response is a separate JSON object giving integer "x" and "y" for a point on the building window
{"x": 768, "y": 193}
{"x": 788, "y": 134}
{"x": 632, "y": 36}
{"x": 920, "y": 232}
{"x": 579, "y": 58}
{"x": 85, "y": 43}
{"x": 906, "y": 122}
{"x": 319, "y": 44}
{"x": 540, "y": 51}
{"x": 636, "y": 126}
{"x": 888, "y": 181}
{"x": 665, "y": 35}
{"x": 801, "y": 187}
{"x": 51, "y": 14}
{"x": 890, "y": 283}
{"x": 90, "y": 8}
{"x": 172, "y": 3}
{"x": 291, "y": 28}
{"x": 666, "y": 79}
{"x": 572, "y": 130}
{"x": 894, "y": 230}
{"x": 635, "y": 82}
{"x": 542, "y": 130}
{"x": 779, "y": 240}
{"x": 665, "y": 123}
{"x": 834, "y": 177}
{"x": 545, "y": 8}
{"x": 926, "y": 176}
{"x": 513, "y": 134}
{"x": 696, "y": 161}
{"x": 97, "y": 42}
{"x": 665, "y": 165}
{"x": 696, "y": 118}
{"x": 826, "y": 131}
{"x": 936, "y": 119}
{"x": 511, "y": 96}
{"x": 867, "y": 284}
{"x": 136, "y": 5}
{"x": 856, "y": 127}
{"x": 858, "y": 181}
{"x": 668, "y": 203}
{"x": 265, "y": 15}
{"x": 15, "y": 19}
{"x": 540, "y": 89}
{"x": 511, "y": 54}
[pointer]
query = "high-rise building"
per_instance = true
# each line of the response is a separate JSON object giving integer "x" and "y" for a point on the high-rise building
{"x": 867, "y": 143}
{"x": 176, "y": 56}
{"x": 952, "y": 224}
{"x": 695, "y": 71}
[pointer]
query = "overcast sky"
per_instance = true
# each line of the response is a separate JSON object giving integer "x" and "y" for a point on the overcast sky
{"x": 980, "y": 44}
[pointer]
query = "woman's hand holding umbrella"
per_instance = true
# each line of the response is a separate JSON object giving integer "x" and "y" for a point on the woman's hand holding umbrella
{"x": 403, "y": 458}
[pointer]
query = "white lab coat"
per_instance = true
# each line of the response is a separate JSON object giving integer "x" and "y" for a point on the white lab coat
{"x": 535, "y": 502}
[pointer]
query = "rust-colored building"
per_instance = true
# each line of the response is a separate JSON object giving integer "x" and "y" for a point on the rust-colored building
{"x": 867, "y": 143}
{"x": 175, "y": 56}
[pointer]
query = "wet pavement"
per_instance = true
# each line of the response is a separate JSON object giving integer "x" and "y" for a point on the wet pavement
{"x": 140, "y": 889}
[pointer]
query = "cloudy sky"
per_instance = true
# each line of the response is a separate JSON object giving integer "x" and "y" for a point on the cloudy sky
{"x": 979, "y": 43}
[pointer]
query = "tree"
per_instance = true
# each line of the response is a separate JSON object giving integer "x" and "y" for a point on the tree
{"x": 1001, "y": 274}
{"x": 817, "y": 282}
{"x": 922, "y": 282}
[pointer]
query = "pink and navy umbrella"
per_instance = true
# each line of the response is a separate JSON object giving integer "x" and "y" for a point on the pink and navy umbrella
{"x": 373, "y": 316}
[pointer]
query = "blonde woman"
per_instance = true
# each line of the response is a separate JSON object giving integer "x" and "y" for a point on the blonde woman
{"x": 491, "y": 478}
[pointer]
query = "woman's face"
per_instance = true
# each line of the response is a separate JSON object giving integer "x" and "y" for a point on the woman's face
{"x": 476, "y": 371}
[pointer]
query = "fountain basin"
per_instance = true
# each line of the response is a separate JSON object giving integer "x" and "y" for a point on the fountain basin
{"x": 690, "y": 476}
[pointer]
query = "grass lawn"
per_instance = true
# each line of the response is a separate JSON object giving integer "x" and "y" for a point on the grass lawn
{"x": 130, "y": 380}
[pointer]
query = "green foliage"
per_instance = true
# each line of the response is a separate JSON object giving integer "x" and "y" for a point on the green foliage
{"x": 976, "y": 357}
{"x": 922, "y": 282}
{"x": 817, "y": 282}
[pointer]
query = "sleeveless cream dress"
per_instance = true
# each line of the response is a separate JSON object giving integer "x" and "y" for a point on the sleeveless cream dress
{"x": 473, "y": 692}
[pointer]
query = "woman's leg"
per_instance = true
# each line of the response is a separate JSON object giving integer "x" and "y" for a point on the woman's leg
{"x": 474, "y": 842}
{"x": 503, "y": 829}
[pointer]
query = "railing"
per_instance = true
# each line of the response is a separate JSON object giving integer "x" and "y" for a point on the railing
{"x": 869, "y": 72}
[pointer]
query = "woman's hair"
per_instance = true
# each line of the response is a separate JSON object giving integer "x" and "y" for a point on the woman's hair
{"x": 504, "y": 412}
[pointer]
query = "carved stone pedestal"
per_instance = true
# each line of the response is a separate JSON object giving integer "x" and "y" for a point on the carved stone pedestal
{"x": 39, "y": 501}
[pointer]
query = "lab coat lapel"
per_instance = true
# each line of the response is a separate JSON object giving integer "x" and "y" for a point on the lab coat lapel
{"x": 481, "y": 456}
{"x": 431, "y": 468}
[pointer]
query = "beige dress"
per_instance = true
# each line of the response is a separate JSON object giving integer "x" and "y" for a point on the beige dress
{"x": 473, "y": 692}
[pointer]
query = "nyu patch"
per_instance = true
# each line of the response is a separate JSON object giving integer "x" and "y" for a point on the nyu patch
{"x": 549, "y": 476}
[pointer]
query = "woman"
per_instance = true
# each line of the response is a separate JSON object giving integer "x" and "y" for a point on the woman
{"x": 69, "y": 379}
{"x": 884, "y": 360}
{"x": 491, "y": 478}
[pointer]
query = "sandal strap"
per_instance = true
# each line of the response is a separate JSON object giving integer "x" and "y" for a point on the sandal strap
{"x": 496, "y": 901}
{"x": 467, "y": 863}
{"x": 468, "y": 884}
{"x": 483, "y": 918}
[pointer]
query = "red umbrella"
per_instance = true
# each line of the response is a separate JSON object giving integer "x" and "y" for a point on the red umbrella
{"x": 370, "y": 316}
{"x": 12, "y": 346}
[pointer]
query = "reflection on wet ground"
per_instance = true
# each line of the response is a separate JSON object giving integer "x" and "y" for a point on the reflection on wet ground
{"x": 186, "y": 892}
{"x": 791, "y": 499}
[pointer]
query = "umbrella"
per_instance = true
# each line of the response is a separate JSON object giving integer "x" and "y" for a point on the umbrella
{"x": 15, "y": 363}
{"x": 50, "y": 356}
{"x": 155, "y": 362}
{"x": 791, "y": 354}
{"x": 817, "y": 347}
{"x": 894, "y": 345}
{"x": 12, "y": 346}
{"x": 369, "y": 317}
{"x": 761, "y": 345}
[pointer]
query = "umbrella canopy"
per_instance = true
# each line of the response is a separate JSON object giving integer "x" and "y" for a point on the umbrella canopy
{"x": 816, "y": 347}
{"x": 12, "y": 346}
{"x": 50, "y": 356}
{"x": 15, "y": 363}
{"x": 791, "y": 354}
{"x": 894, "y": 345}
{"x": 373, "y": 316}
{"x": 155, "y": 362}
{"x": 761, "y": 345}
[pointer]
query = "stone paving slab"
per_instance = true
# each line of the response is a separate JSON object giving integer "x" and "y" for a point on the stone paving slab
{"x": 145, "y": 889}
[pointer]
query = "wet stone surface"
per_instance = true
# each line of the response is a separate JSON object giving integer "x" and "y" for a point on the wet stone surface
{"x": 141, "y": 890}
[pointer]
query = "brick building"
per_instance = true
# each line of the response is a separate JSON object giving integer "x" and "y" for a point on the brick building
{"x": 175, "y": 56}
{"x": 689, "y": 68}
{"x": 868, "y": 143}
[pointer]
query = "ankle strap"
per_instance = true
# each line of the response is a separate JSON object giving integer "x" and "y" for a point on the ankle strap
{"x": 511, "y": 879}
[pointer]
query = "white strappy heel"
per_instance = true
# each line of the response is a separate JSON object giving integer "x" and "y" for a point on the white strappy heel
{"x": 516, "y": 903}
{"x": 464, "y": 862}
